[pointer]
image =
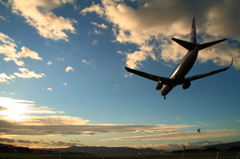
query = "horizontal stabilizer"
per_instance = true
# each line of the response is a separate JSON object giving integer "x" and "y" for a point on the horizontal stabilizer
{"x": 205, "y": 45}
{"x": 185, "y": 44}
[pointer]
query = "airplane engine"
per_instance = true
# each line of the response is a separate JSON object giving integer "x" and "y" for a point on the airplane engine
{"x": 186, "y": 85}
{"x": 159, "y": 85}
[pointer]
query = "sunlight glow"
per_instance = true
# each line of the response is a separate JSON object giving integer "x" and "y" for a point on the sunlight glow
{"x": 14, "y": 109}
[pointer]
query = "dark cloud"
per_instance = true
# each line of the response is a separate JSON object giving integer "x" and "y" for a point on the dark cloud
{"x": 24, "y": 141}
{"x": 18, "y": 128}
{"x": 7, "y": 140}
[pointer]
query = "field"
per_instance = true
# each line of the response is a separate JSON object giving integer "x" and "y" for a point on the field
{"x": 186, "y": 155}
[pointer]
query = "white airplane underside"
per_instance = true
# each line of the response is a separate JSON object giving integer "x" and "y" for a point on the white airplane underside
{"x": 178, "y": 76}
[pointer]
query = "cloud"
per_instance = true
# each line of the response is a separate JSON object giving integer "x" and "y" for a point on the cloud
{"x": 51, "y": 143}
{"x": 183, "y": 135}
{"x": 17, "y": 110}
{"x": 28, "y": 53}
{"x": 2, "y": 108}
{"x": 24, "y": 141}
{"x": 87, "y": 62}
{"x": 134, "y": 59}
{"x": 152, "y": 25}
{"x": 100, "y": 25}
{"x": 54, "y": 120}
{"x": 1, "y": 17}
{"x": 5, "y": 78}
{"x": 8, "y": 49}
{"x": 69, "y": 68}
{"x": 25, "y": 73}
{"x": 97, "y": 31}
{"x": 66, "y": 125}
{"x": 7, "y": 140}
{"x": 94, "y": 42}
{"x": 38, "y": 14}
{"x": 60, "y": 59}
{"x": 49, "y": 62}
{"x": 50, "y": 89}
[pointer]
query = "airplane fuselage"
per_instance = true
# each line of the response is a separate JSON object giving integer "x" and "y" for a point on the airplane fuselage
{"x": 165, "y": 85}
{"x": 181, "y": 70}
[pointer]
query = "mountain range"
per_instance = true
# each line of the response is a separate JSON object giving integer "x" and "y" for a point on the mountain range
{"x": 108, "y": 150}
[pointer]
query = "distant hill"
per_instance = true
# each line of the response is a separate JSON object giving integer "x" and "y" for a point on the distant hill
{"x": 224, "y": 145}
{"x": 107, "y": 150}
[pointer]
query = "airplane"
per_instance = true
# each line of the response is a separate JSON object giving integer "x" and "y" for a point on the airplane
{"x": 178, "y": 76}
{"x": 199, "y": 130}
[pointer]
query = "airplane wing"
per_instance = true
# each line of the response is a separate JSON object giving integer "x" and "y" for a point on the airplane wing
{"x": 149, "y": 76}
{"x": 207, "y": 74}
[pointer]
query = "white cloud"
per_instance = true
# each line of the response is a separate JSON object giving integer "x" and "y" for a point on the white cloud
{"x": 49, "y": 62}
{"x": 86, "y": 62}
{"x": 97, "y": 31}
{"x": 28, "y": 53}
{"x": 60, "y": 59}
{"x": 38, "y": 14}
{"x": 1, "y": 17}
{"x": 49, "y": 89}
{"x": 69, "y": 68}
{"x": 5, "y": 78}
{"x": 94, "y": 42}
{"x": 100, "y": 25}
{"x": 134, "y": 59}
{"x": 54, "y": 120}
{"x": 8, "y": 49}
{"x": 25, "y": 73}
{"x": 151, "y": 23}
{"x": 18, "y": 110}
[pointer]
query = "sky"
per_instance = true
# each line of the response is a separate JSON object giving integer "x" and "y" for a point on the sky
{"x": 63, "y": 82}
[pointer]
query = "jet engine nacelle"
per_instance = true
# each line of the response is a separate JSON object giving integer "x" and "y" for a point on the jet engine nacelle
{"x": 159, "y": 85}
{"x": 186, "y": 85}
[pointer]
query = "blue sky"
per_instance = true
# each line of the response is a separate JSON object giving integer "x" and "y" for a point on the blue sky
{"x": 63, "y": 81}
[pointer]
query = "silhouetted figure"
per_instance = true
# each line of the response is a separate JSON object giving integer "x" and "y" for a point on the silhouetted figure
{"x": 199, "y": 130}
{"x": 183, "y": 147}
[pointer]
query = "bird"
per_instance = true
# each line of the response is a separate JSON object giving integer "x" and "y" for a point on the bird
{"x": 199, "y": 130}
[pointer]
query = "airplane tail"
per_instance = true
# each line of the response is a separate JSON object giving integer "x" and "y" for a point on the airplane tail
{"x": 193, "y": 40}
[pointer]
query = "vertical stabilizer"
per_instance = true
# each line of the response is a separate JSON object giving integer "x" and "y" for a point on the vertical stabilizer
{"x": 193, "y": 38}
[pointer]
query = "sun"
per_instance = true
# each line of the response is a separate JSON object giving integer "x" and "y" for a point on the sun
{"x": 14, "y": 109}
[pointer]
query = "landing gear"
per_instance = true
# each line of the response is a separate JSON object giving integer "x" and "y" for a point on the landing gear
{"x": 164, "y": 97}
